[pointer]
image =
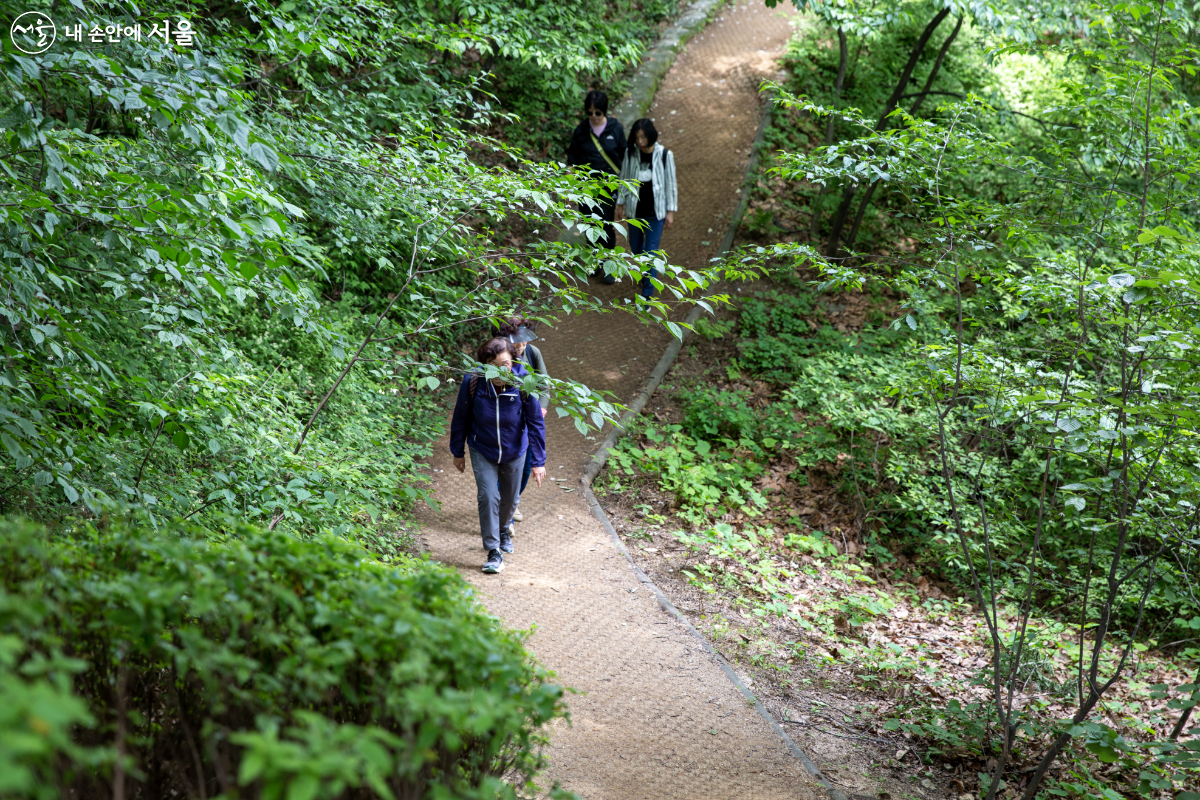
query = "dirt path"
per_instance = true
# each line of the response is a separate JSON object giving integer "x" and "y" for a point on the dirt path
{"x": 656, "y": 718}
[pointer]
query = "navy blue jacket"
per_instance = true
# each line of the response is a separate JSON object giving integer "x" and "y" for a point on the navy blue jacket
{"x": 581, "y": 150}
{"x": 498, "y": 425}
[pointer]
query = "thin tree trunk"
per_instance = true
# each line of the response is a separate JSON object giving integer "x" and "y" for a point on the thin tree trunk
{"x": 839, "y": 218}
{"x": 937, "y": 65}
{"x": 830, "y": 128}
{"x": 118, "y": 784}
{"x": 933, "y": 73}
{"x": 1183, "y": 718}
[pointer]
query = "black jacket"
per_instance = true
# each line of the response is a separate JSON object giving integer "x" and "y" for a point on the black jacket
{"x": 583, "y": 152}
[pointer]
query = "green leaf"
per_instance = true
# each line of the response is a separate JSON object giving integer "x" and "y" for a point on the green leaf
{"x": 265, "y": 156}
{"x": 1104, "y": 752}
{"x": 304, "y": 787}
{"x": 217, "y": 286}
{"x": 251, "y": 767}
{"x": 289, "y": 282}
{"x": 68, "y": 490}
{"x": 10, "y": 444}
{"x": 248, "y": 270}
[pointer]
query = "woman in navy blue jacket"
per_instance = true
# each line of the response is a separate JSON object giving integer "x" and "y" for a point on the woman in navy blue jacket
{"x": 498, "y": 422}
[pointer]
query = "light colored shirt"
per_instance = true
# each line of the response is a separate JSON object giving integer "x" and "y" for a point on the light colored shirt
{"x": 662, "y": 173}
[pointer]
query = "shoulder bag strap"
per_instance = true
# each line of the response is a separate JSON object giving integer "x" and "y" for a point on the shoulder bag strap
{"x": 604, "y": 153}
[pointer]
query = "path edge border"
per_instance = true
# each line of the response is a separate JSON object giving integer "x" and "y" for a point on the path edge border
{"x": 639, "y": 106}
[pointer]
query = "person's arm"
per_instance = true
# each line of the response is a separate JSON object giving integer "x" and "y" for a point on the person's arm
{"x": 539, "y": 364}
{"x": 619, "y": 138}
{"x": 628, "y": 173}
{"x": 572, "y": 159}
{"x": 460, "y": 423}
{"x": 671, "y": 187}
{"x": 535, "y": 428}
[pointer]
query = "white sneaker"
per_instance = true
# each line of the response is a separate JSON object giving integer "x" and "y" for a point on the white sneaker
{"x": 517, "y": 515}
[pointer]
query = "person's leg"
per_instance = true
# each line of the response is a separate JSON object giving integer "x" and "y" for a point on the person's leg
{"x": 488, "y": 496}
{"x": 516, "y": 515}
{"x": 637, "y": 239}
{"x": 654, "y": 233}
{"x": 607, "y": 213}
{"x": 509, "y": 480}
{"x": 527, "y": 472}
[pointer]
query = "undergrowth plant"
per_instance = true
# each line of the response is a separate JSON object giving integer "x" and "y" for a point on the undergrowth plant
{"x": 1091, "y": 385}
{"x": 145, "y": 663}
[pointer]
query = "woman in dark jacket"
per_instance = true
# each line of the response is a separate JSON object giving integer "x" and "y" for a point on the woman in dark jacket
{"x": 520, "y": 332}
{"x": 498, "y": 422}
{"x": 598, "y": 143}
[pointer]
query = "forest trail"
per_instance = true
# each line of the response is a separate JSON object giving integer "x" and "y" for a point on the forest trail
{"x": 655, "y": 718}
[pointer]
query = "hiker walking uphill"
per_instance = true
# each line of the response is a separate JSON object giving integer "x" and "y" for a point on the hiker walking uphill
{"x": 598, "y": 143}
{"x": 652, "y": 167}
{"x": 498, "y": 422}
{"x": 520, "y": 332}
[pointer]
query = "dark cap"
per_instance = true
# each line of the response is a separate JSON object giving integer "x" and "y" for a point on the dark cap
{"x": 522, "y": 335}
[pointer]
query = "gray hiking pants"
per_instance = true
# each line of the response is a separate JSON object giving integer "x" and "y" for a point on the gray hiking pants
{"x": 497, "y": 487}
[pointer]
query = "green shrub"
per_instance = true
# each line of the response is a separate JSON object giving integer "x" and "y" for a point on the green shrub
{"x": 706, "y": 483}
{"x": 708, "y": 413}
{"x": 256, "y": 665}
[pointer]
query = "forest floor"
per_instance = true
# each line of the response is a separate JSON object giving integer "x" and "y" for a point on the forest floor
{"x": 654, "y": 716}
{"x": 836, "y": 684}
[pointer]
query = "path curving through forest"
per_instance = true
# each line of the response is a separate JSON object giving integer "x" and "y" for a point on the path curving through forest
{"x": 655, "y": 717}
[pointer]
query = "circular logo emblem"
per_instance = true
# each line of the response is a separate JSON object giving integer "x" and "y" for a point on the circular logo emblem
{"x": 32, "y": 33}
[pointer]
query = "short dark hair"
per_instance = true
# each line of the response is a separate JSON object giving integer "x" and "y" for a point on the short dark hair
{"x": 647, "y": 127}
{"x": 509, "y": 326}
{"x": 596, "y": 99}
{"x": 492, "y": 348}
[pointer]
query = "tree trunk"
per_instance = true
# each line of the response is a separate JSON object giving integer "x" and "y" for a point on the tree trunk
{"x": 839, "y": 219}
{"x": 1183, "y": 718}
{"x": 830, "y": 130}
{"x": 937, "y": 65}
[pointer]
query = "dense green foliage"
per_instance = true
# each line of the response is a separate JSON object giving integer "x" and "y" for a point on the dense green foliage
{"x": 235, "y": 274}
{"x": 1020, "y": 202}
{"x": 1050, "y": 291}
{"x": 195, "y": 665}
{"x": 234, "y": 270}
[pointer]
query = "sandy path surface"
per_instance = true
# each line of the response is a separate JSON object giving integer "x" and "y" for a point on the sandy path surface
{"x": 655, "y": 717}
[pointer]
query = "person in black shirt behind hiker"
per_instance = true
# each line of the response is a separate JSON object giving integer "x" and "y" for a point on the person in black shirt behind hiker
{"x": 652, "y": 167}
{"x": 498, "y": 422}
{"x": 599, "y": 144}
{"x": 520, "y": 333}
